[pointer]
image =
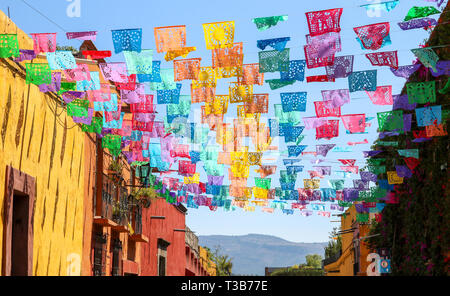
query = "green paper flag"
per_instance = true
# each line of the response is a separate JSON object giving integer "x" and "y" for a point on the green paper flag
{"x": 362, "y": 217}
{"x": 67, "y": 86}
{"x": 263, "y": 183}
{"x": 278, "y": 83}
{"x": 377, "y": 169}
{"x": 113, "y": 143}
{"x": 9, "y": 46}
{"x": 38, "y": 74}
{"x": 264, "y": 23}
{"x": 421, "y": 92}
{"x": 95, "y": 127}
{"x": 391, "y": 120}
{"x": 388, "y": 143}
{"x": 427, "y": 57}
{"x": 418, "y": 12}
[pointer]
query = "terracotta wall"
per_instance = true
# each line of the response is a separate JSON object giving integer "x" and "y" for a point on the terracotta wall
{"x": 163, "y": 228}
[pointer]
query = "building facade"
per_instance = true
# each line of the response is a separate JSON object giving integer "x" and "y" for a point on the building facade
{"x": 352, "y": 261}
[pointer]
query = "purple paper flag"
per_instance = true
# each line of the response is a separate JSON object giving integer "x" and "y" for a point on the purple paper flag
{"x": 368, "y": 176}
{"x": 405, "y": 71}
{"x": 335, "y": 98}
{"x": 442, "y": 67}
{"x": 324, "y": 149}
{"x": 69, "y": 96}
{"x": 25, "y": 55}
{"x": 403, "y": 171}
{"x": 85, "y": 120}
{"x": 92, "y": 35}
{"x": 342, "y": 67}
{"x": 54, "y": 86}
{"x": 401, "y": 102}
{"x": 371, "y": 153}
{"x": 417, "y": 23}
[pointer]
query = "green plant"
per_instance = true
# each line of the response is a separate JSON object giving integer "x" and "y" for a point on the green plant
{"x": 115, "y": 165}
{"x": 334, "y": 246}
{"x": 145, "y": 195}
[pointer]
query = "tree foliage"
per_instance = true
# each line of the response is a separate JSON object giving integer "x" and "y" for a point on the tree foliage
{"x": 416, "y": 229}
{"x": 334, "y": 246}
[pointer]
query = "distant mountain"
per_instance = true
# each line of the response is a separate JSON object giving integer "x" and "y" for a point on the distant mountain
{"x": 253, "y": 252}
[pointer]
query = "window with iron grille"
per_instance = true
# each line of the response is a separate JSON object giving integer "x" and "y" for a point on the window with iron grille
{"x": 116, "y": 257}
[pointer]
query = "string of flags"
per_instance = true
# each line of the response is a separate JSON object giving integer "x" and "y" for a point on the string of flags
{"x": 213, "y": 146}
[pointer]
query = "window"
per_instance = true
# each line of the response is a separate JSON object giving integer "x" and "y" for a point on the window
{"x": 162, "y": 256}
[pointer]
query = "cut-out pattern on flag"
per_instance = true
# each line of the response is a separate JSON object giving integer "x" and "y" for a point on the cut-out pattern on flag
{"x": 323, "y": 111}
{"x": 219, "y": 35}
{"x": 218, "y": 106}
{"x": 258, "y": 104}
{"x": 319, "y": 78}
{"x": 312, "y": 62}
{"x": 401, "y": 102}
{"x": 391, "y": 120}
{"x": 175, "y": 53}
{"x": 363, "y": 80}
{"x": 90, "y": 35}
{"x": 228, "y": 57}
{"x": 264, "y": 23}
{"x": 170, "y": 38}
{"x": 279, "y": 83}
{"x": 336, "y": 98}
{"x": 431, "y": 115}
{"x": 139, "y": 62}
{"x": 116, "y": 72}
{"x": 381, "y": 96}
{"x": 324, "y": 149}
{"x": 324, "y": 21}
{"x": 323, "y": 46}
{"x": 202, "y": 94}
{"x": 438, "y": 130}
{"x": 81, "y": 72}
{"x": 130, "y": 85}
{"x": 44, "y": 42}
{"x": 38, "y": 74}
{"x": 251, "y": 75}
{"x": 387, "y": 58}
{"x": 187, "y": 69}
{"x": 113, "y": 143}
{"x": 170, "y": 96}
{"x": 54, "y": 86}
{"x": 296, "y": 71}
{"x": 78, "y": 108}
{"x": 94, "y": 127}
{"x": 417, "y": 23}
{"x": 418, "y": 12}
{"x": 442, "y": 67}
{"x": 294, "y": 151}
{"x": 291, "y": 133}
{"x": 133, "y": 96}
{"x": 69, "y": 96}
{"x": 127, "y": 40}
{"x": 276, "y": 43}
{"x": 328, "y": 130}
{"x": 421, "y": 92}
{"x": 61, "y": 60}
{"x": 342, "y": 67}
{"x": 9, "y": 46}
{"x": 426, "y": 56}
{"x": 167, "y": 80}
{"x": 405, "y": 71}
{"x": 240, "y": 93}
{"x": 355, "y": 123}
{"x": 97, "y": 55}
{"x": 93, "y": 84}
{"x": 374, "y": 9}
{"x": 372, "y": 36}
{"x": 25, "y": 55}
{"x": 274, "y": 61}
{"x": 115, "y": 123}
{"x": 111, "y": 105}
{"x": 145, "y": 106}
{"x": 295, "y": 101}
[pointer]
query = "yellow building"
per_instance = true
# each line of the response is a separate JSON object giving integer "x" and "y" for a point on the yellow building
{"x": 42, "y": 163}
{"x": 353, "y": 258}
{"x": 206, "y": 262}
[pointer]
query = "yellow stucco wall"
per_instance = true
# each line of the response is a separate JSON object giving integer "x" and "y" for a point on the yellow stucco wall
{"x": 39, "y": 139}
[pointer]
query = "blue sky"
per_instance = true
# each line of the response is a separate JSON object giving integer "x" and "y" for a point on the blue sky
{"x": 106, "y": 15}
